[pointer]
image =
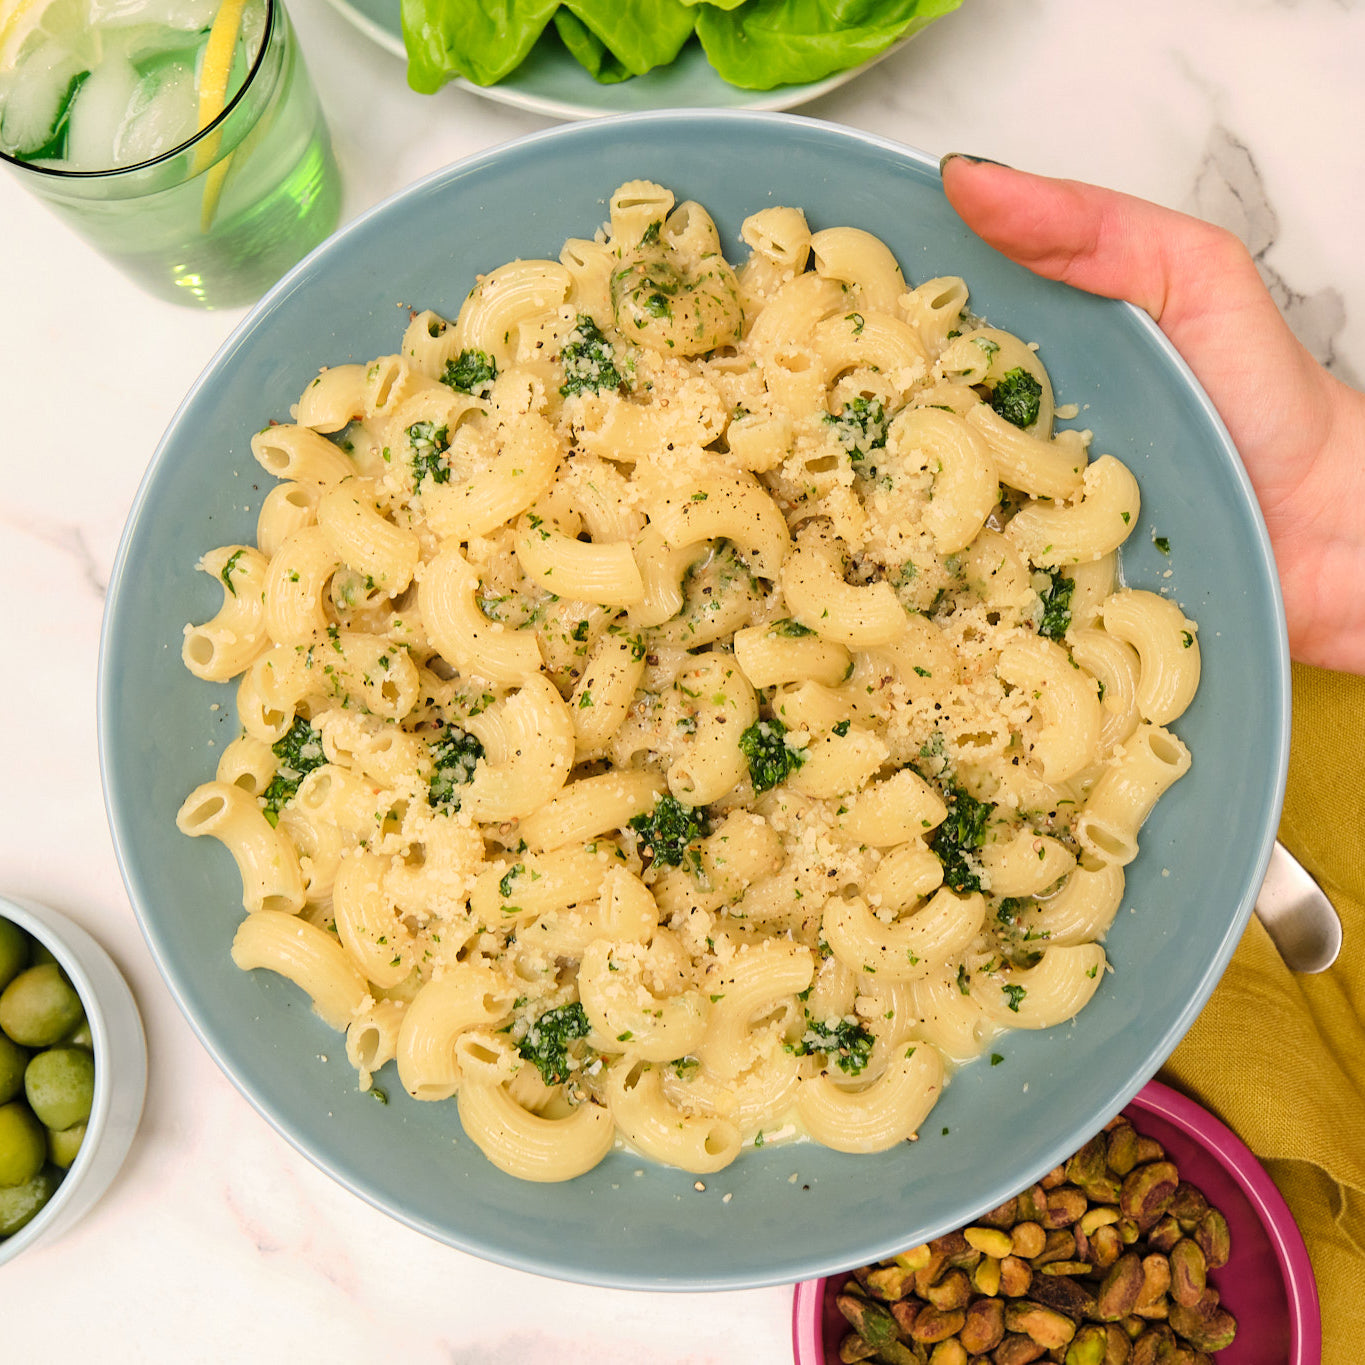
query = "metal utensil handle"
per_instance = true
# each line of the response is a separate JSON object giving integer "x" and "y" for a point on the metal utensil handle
{"x": 1301, "y": 921}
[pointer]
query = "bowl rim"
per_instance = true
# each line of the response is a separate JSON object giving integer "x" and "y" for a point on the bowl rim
{"x": 1275, "y": 664}
{"x": 1240, "y": 1162}
{"x": 56, "y": 931}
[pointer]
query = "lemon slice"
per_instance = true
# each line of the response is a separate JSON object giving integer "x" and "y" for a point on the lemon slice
{"x": 213, "y": 89}
{"x": 24, "y": 24}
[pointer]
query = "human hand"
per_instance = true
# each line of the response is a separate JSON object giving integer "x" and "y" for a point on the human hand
{"x": 1300, "y": 432}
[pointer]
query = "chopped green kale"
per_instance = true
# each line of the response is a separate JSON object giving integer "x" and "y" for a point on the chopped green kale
{"x": 589, "y": 361}
{"x": 1018, "y": 940}
{"x": 770, "y": 759}
{"x": 298, "y": 753}
{"x": 1057, "y": 606}
{"x": 1017, "y": 397}
{"x": 861, "y": 427}
{"x": 845, "y": 1041}
{"x": 547, "y": 1041}
{"x": 667, "y": 831}
{"x": 453, "y": 757}
{"x": 960, "y": 835}
{"x": 230, "y": 567}
{"x": 429, "y": 444}
{"x": 471, "y": 372}
{"x": 656, "y": 304}
{"x": 1010, "y": 911}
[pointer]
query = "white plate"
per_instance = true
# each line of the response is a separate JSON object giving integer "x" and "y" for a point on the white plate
{"x": 550, "y": 81}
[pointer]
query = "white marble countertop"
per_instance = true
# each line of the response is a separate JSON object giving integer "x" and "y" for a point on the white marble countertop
{"x": 218, "y": 1242}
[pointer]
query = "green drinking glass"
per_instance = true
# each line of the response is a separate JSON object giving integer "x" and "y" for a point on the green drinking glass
{"x": 181, "y": 138}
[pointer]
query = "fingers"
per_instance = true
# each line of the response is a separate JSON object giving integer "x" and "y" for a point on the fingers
{"x": 1298, "y": 430}
{"x": 1197, "y": 281}
{"x": 1094, "y": 239}
{"x": 1112, "y": 244}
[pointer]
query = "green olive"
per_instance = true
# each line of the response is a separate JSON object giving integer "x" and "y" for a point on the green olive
{"x": 60, "y": 1086}
{"x": 14, "y": 951}
{"x": 47, "y": 1076}
{"x": 63, "y": 1146}
{"x": 23, "y": 1144}
{"x": 19, "y": 1203}
{"x": 39, "y": 1007}
{"x": 13, "y": 1060}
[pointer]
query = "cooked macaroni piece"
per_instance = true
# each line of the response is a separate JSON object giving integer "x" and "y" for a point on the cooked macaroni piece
{"x": 688, "y": 706}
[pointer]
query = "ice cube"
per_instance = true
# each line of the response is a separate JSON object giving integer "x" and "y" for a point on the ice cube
{"x": 98, "y": 113}
{"x": 33, "y": 99}
{"x": 253, "y": 29}
{"x": 150, "y": 45}
{"x": 116, "y": 13}
{"x": 178, "y": 14}
{"x": 162, "y": 114}
{"x": 27, "y": 25}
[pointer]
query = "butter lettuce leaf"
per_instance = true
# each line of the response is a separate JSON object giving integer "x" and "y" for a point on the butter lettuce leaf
{"x": 483, "y": 42}
{"x": 753, "y": 44}
{"x": 588, "y": 49}
{"x": 640, "y": 35}
{"x": 767, "y": 43}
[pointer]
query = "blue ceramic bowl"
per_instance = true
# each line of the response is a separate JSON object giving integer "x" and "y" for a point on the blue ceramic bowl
{"x": 781, "y": 1214}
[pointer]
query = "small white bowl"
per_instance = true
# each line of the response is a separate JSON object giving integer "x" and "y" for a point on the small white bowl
{"x": 120, "y": 1071}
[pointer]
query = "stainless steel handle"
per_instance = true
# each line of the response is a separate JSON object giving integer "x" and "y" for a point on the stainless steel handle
{"x": 1301, "y": 921}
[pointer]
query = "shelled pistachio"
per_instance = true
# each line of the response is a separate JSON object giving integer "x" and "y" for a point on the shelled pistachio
{"x": 1105, "y": 1261}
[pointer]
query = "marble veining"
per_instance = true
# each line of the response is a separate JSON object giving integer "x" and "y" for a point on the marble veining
{"x": 1228, "y": 190}
{"x": 65, "y": 539}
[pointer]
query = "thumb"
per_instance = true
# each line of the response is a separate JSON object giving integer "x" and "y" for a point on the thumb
{"x": 1091, "y": 238}
{"x": 1198, "y": 282}
{"x": 1095, "y": 239}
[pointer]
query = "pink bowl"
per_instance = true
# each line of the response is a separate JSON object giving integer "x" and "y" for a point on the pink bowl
{"x": 1267, "y": 1284}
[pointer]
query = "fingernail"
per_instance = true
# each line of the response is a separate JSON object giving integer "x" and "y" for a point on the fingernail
{"x": 971, "y": 160}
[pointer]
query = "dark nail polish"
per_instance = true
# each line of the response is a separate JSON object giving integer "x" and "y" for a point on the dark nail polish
{"x": 971, "y": 160}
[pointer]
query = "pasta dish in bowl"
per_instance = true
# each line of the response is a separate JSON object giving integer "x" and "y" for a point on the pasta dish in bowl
{"x": 689, "y": 691}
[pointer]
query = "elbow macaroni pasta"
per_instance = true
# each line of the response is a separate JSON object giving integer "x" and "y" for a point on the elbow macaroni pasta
{"x": 685, "y": 706}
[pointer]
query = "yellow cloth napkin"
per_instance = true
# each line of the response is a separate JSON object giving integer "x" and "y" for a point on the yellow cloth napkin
{"x": 1280, "y": 1058}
